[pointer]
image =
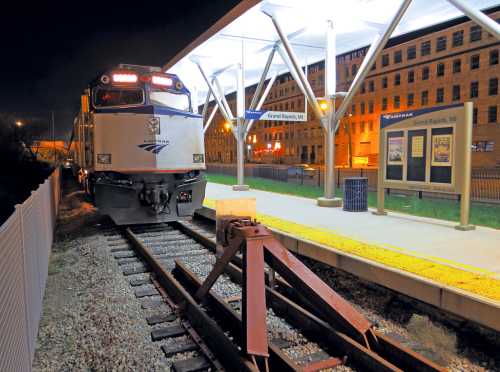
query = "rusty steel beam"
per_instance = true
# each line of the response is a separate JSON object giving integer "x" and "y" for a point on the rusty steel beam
{"x": 254, "y": 310}
{"x": 278, "y": 360}
{"x": 332, "y": 306}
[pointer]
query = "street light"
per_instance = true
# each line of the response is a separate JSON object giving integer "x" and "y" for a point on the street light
{"x": 19, "y": 123}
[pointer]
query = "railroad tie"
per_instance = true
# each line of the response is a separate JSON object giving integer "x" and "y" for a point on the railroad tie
{"x": 125, "y": 254}
{"x": 135, "y": 270}
{"x": 146, "y": 292}
{"x": 161, "y": 318}
{"x": 175, "y": 348}
{"x": 190, "y": 365}
{"x": 166, "y": 332}
{"x": 139, "y": 281}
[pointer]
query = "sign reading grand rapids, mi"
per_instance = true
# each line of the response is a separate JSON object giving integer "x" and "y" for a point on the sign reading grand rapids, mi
{"x": 418, "y": 149}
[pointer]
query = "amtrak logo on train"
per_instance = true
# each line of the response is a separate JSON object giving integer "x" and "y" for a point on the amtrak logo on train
{"x": 154, "y": 147}
{"x": 154, "y": 125}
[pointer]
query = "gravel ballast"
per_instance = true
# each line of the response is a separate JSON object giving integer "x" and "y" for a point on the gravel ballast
{"x": 91, "y": 319}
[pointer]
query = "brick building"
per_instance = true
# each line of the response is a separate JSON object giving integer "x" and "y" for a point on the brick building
{"x": 451, "y": 62}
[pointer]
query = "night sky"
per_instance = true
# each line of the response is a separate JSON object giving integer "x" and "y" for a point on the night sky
{"x": 51, "y": 50}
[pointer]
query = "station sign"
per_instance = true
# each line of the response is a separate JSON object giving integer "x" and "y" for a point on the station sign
{"x": 427, "y": 150}
{"x": 275, "y": 115}
{"x": 421, "y": 149}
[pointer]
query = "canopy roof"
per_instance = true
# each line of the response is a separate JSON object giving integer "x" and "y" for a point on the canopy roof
{"x": 248, "y": 32}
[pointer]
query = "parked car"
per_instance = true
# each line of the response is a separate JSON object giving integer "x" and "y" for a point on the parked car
{"x": 301, "y": 170}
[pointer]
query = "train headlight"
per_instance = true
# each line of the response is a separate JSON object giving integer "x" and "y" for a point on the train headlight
{"x": 125, "y": 78}
{"x": 198, "y": 158}
{"x": 161, "y": 80}
{"x": 104, "y": 158}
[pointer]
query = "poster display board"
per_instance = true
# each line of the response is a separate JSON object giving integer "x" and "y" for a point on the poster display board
{"x": 427, "y": 150}
{"x": 419, "y": 149}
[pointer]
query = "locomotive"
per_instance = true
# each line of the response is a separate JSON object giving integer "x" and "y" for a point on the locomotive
{"x": 139, "y": 146}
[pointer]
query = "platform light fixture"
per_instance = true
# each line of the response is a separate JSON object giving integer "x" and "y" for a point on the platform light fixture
{"x": 19, "y": 123}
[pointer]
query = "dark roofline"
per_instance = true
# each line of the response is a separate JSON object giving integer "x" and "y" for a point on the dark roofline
{"x": 412, "y": 35}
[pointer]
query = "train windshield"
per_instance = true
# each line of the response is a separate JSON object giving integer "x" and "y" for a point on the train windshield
{"x": 178, "y": 101}
{"x": 107, "y": 97}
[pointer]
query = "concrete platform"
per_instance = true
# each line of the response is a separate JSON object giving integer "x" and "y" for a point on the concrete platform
{"x": 427, "y": 259}
{"x": 436, "y": 240}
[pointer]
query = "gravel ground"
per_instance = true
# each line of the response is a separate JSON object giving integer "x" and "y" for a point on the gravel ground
{"x": 91, "y": 319}
{"x": 402, "y": 321}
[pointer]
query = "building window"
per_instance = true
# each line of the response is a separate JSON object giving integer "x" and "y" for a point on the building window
{"x": 410, "y": 99}
{"x": 439, "y": 95}
{"x": 398, "y": 56}
{"x": 397, "y": 79}
{"x": 457, "y": 65}
{"x": 397, "y": 102}
{"x": 411, "y": 52}
{"x": 371, "y": 85}
{"x": 346, "y": 71}
{"x": 384, "y": 104}
{"x": 492, "y": 114}
{"x": 441, "y": 43}
{"x": 374, "y": 66}
{"x": 353, "y": 109}
{"x": 411, "y": 76}
{"x": 384, "y": 82}
{"x": 458, "y": 38}
{"x": 363, "y": 88}
{"x": 362, "y": 108}
{"x": 474, "y": 89}
{"x": 440, "y": 69}
{"x": 370, "y": 125}
{"x": 456, "y": 92}
{"x": 370, "y": 107}
{"x": 385, "y": 60}
{"x": 493, "y": 57}
{"x": 474, "y": 62}
{"x": 424, "y": 98}
{"x": 362, "y": 127}
{"x": 475, "y": 33}
{"x": 474, "y": 116}
{"x": 425, "y": 48}
{"x": 493, "y": 87}
{"x": 354, "y": 69}
{"x": 425, "y": 73}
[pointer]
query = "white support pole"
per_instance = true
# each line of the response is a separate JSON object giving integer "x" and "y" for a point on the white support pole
{"x": 294, "y": 74}
{"x": 375, "y": 49}
{"x": 240, "y": 125}
{"x": 294, "y": 64}
{"x": 329, "y": 199}
{"x": 210, "y": 118}
{"x": 262, "y": 80}
{"x": 223, "y": 98}
{"x": 205, "y": 106}
{"x": 477, "y": 16}
{"x": 212, "y": 90}
{"x": 261, "y": 101}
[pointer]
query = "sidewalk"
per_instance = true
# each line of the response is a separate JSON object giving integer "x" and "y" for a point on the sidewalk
{"x": 423, "y": 246}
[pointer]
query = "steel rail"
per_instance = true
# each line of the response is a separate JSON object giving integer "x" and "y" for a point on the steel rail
{"x": 226, "y": 352}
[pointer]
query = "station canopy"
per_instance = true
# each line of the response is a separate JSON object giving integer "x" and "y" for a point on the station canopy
{"x": 247, "y": 33}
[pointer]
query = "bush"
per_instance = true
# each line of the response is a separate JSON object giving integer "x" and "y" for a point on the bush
{"x": 20, "y": 173}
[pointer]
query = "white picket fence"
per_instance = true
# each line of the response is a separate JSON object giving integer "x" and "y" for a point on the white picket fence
{"x": 25, "y": 245}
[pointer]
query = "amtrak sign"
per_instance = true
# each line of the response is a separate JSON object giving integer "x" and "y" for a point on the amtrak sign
{"x": 275, "y": 115}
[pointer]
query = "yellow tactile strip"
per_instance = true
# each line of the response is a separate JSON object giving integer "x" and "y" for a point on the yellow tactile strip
{"x": 477, "y": 283}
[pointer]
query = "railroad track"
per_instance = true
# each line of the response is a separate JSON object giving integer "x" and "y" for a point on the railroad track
{"x": 173, "y": 260}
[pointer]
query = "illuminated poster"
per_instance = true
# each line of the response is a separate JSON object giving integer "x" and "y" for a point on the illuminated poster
{"x": 395, "y": 151}
{"x": 442, "y": 146}
{"x": 417, "y": 147}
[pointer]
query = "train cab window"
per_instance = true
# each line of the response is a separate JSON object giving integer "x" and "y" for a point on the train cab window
{"x": 108, "y": 97}
{"x": 178, "y": 101}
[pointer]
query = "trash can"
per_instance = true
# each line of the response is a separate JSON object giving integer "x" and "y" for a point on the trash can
{"x": 356, "y": 194}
